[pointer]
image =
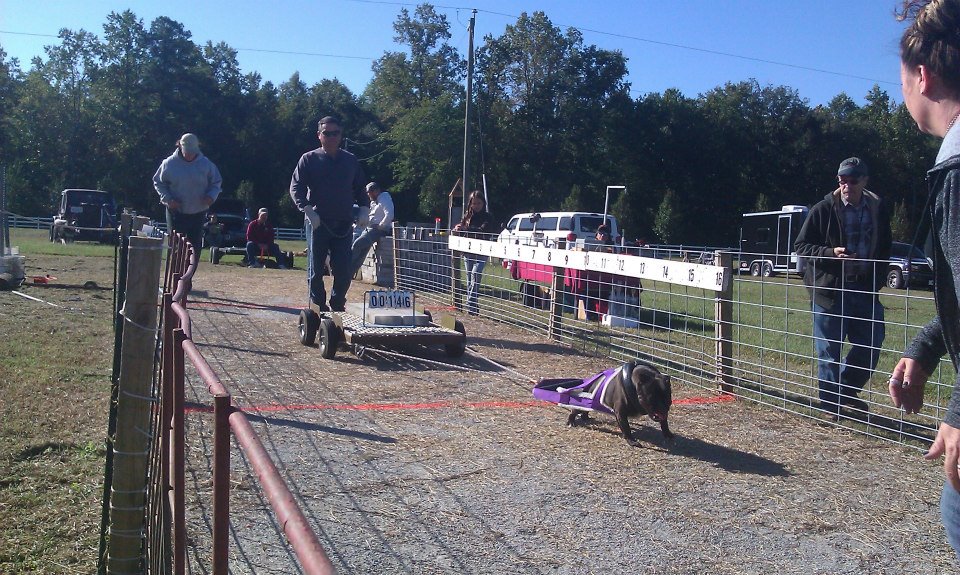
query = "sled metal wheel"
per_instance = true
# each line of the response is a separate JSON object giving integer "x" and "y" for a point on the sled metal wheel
{"x": 457, "y": 349}
{"x": 307, "y": 326}
{"x": 329, "y": 338}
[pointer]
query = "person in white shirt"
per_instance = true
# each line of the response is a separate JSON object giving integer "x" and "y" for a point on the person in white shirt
{"x": 378, "y": 224}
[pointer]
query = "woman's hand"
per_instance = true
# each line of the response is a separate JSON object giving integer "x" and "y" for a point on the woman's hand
{"x": 947, "y": 444}
{"x": 906, "y": 385}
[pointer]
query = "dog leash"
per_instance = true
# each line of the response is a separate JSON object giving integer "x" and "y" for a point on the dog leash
{"x": 524, "y": 377}
{"x": 363, "y": 350}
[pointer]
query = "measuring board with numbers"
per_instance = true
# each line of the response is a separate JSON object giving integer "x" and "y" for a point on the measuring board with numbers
{"x": 380, "y": 307}
{"x": 707, "y": 277}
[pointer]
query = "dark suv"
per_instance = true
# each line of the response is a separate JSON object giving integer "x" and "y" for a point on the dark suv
{"x": 85, "y": 215}
{"x": 233, "y": 218}
{"x": 904, "y": 270}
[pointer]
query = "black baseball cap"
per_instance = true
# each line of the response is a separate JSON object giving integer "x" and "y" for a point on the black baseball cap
{"x": 853, "y": 167}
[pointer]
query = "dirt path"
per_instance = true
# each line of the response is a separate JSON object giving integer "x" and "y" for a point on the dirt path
{"x": 484, "y": 480}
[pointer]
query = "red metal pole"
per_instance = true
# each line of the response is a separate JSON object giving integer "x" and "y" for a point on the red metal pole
{"x": 166, "y": 391}
{"x": 221, "y": 483}
{"x": 304, "y": 541}
{"x": 179, "y": 481}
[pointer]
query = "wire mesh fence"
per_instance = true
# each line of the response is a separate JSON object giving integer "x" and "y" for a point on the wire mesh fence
{"x": 159, "y": 539}
{"x": 693, "y": 315}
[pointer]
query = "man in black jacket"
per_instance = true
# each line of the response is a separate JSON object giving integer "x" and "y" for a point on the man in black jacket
{"x": 846, "y": 239}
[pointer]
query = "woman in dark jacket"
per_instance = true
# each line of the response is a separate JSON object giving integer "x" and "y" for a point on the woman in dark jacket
{"x": 476, "y": 223}
{"x": 930, "y": 79}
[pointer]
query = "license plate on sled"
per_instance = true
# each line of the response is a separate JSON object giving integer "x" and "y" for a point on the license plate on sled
{"x": 390, "y": 299}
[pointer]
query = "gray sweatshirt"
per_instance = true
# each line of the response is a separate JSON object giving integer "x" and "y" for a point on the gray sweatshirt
{"x": 187, "y": 182}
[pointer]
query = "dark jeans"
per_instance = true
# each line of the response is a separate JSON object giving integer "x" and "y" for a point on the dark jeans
{"x": 189, "y": 225}
{"x": 856, "y": 316}
{"x": 332, "y": 239}
{"x": 253, "y": 251}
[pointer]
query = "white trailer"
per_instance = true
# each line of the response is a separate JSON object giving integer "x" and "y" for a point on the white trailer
{"x": 766, "y": 241}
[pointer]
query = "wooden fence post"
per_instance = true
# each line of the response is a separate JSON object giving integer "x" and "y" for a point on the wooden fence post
{"x": 131, "y": 443}
{"x": 456, "y": 284}
{"x": 396, "y": 255}
{"x": 724, "y": 324}
{"x": 557, "y": 297}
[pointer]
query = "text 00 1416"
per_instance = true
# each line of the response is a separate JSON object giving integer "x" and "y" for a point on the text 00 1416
{"x": 390, "y": 299}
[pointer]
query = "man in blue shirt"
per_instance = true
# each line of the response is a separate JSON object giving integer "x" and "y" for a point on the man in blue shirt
{"x": 326, "y": 183}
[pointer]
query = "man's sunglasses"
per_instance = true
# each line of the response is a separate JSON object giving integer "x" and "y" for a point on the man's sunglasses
{"x": 850, "y": 181}
{"x": 331, "y": 132}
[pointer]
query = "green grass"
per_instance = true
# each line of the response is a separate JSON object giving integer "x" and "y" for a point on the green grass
{"x": 54, "y": 396}
{"x": 37, "y": 242}
{"x": 774, "y": 327}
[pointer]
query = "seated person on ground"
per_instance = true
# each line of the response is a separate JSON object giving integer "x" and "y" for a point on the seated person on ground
{"x": 260, "y": 240}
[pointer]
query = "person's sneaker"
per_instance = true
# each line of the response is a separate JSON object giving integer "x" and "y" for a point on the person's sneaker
{"x": 254, "y": 265}
{"x": 281, "y": 267}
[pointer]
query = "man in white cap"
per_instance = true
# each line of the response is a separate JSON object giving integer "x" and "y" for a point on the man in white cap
{"x": 260, "y": 240}
{"x": 188, "y": 183}
{"x": 378, "y": 224}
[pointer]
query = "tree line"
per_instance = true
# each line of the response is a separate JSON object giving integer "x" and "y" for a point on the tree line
{"x": 554, "y": 120}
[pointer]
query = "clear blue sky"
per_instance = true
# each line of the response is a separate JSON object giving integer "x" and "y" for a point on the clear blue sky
{"x": 818, "y": 47}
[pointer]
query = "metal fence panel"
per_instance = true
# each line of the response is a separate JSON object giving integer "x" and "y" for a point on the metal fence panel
{"x": 667, "y": 312}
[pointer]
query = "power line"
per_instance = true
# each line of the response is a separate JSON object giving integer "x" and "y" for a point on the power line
{"x": 307, "y": 54}
{"x": 731, "y": 55}
{"x": 655, "y": 42}
{"x": 581, "y": 29}
{"x": 28, "y": 34}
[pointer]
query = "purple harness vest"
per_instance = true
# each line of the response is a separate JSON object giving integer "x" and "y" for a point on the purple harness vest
{"x": 588, "y": 394}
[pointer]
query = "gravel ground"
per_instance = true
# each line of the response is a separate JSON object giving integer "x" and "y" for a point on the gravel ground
{"x": 484, "y": 480}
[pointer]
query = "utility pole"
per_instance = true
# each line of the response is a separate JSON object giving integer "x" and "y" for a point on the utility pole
{"x": 465, "y": 180}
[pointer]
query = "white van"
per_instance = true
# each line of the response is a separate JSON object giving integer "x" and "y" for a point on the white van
{"x": 547, "y": 227}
